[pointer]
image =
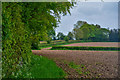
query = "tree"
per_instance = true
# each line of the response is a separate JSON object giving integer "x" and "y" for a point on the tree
{"x": 23, "y": 25}
{"x": 70, "y": 36}
{"x": 51, "y": 33}
{"x": 84, "y": 31}
{"x": 49, "y": 40}
{"x": 44, "y": 17}
{"x": 79, "y": 24}
{"x": 60, "y": 36}
{"x": 78, "y": 34}
{"x": 16, "y": 48}
{"x": 66, "y": 38}
{"x": 114, "y": 35}
{"x": 118, "y": 34}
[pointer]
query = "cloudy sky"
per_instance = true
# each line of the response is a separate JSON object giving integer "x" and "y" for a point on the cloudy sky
{"x": 103, "y": 13}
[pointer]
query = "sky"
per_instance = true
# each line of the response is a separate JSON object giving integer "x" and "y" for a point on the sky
{"x": 103, "y": 13}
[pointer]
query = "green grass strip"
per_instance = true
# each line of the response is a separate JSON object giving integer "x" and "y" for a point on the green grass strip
{"x": 42, "y": 67}
{"x": 85, "y": 48}
{"x": 57, "y": 44}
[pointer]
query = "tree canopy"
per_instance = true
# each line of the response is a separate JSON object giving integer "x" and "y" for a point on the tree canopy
{"x": 23, "y": 25}
{"x": 84, "y": 31}
{"x": 60, "y": 36}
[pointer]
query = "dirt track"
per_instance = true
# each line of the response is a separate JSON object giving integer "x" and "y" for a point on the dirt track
{"x": 103, "y": 64}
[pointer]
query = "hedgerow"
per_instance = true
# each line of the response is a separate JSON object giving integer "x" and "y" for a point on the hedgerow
{"x": 23, "y": 25}
{"x": 83, "y": 48}
{"x": 16, "y": 48}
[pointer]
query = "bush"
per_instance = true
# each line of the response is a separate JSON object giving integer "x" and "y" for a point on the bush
{"x": 35, "y": 46}
{"x": 66, "y": 38}
{"x": 34, "y": 42}
{"x": 49, "y": 40}
{"x": 16, "y": 48}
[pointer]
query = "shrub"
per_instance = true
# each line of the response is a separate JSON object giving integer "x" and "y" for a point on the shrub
{"x": 66, "y": 38}
{"x": 49, "y": 40}
{"x": 34, "y": 42}
{"x": 16, "y": 48}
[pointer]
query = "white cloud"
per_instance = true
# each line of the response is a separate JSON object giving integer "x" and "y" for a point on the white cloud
{"x": 104, "y": 14}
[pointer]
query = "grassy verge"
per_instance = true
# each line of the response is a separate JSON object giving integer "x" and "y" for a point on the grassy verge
{"x": 41, "y": 67}
{"x": 55, "y": 43}
{"x": 85, "y": 48}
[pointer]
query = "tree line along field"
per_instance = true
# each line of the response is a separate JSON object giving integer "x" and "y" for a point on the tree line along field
{"x": 89, "y": 32}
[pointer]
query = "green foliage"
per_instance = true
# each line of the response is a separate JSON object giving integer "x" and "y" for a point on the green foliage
{"x": 114, "y": 35}
{"x": 49, "y": 40}
{"x": 84, "y": 48}
{"x": 43, "y": 17}
{"x": 77, "y": 32}
{"x": 70, "y": 36}
{"x": 51, "y": 34}
{"x": 35, "y": 41}
{"x": 16, "y": 47}
{"x": 85, "y": 31}
{"x": 60, "y": 36}
{"x": 56, "y": 42}
{"x": 66, "y": 38}
{"x": 23, "y": 25}
{"x": 42, "y": 67}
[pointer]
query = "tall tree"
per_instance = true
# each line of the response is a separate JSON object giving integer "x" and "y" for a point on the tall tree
{"x": 85, "y": 31}
{"x": 16, "y": 48}
{"x": 60, "y": 36}
{"x": 24, "y": 24}
{"x": 51, "y": 33}
{"x": 70, "y": 36}
{"x": 114, "y": 35}
{"x": 78, "y": 33}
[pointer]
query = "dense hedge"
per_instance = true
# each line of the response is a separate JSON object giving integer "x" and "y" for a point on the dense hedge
{"x": 23, "y": 25}
{"x": 16, "y": 46}
{"x": 83, "y": 48}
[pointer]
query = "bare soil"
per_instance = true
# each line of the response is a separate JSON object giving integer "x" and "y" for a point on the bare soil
{"x": 101, "y": 44}
{"x": 101, "y": 64}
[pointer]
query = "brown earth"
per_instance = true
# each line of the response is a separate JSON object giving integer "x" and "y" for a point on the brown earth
{"x": 46, "y": 48}
{"x": 101, "y": 44}
{"x": 101, "y": 64}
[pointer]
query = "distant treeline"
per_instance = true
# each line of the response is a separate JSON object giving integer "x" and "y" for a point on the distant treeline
{"x": 89, "y": 32}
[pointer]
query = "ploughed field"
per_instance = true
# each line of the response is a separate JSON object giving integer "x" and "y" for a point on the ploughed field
{"x": 87, "y": 64}
{"x": 96, "y": 44}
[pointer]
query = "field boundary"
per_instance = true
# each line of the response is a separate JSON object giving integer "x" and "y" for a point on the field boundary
{"x": 85, "y": 48}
